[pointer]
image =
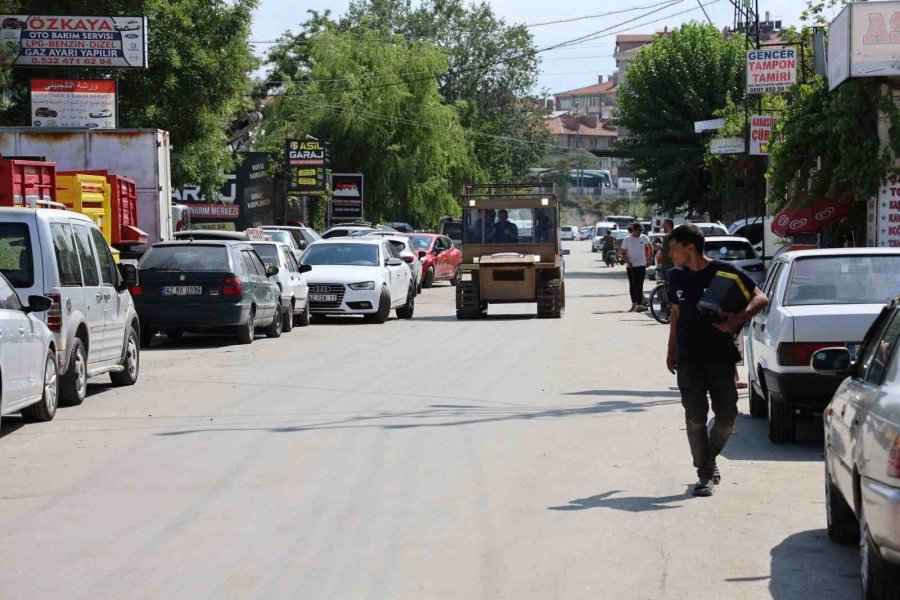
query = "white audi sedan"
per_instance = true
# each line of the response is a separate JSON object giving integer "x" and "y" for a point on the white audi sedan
{"x": 362, "y": 276}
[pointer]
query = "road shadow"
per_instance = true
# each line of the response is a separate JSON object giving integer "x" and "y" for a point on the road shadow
{"x": 602, "y": 275}
{"x": 670, "y": 393}
{"x": 437, "y": 319}
{"x": 10, "y": 425}
{"x": 198, "y": 341}
{"x": 750, "y": 441}
{"x": 626, "y": 503}
{"x": 447, "y": 415}
{"x": 809, "y": 565}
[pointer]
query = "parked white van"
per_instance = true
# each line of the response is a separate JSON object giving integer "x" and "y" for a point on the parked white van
{"x": 61, "y": 254}
{"x": 600, "y": 231}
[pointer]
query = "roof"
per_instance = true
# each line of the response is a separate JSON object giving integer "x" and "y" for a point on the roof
{"x": 607, "y": 87}
{"x": 557, "y": 126}
{"x": 631, "y": 38}
{"x": 725, "y": 238}
{"x": 349, "y": 240}
{"x": 795, "y": 254}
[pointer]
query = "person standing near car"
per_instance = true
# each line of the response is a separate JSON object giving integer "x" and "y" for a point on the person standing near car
{"x": 702, "y": 352}
{"x": 636, "y": 250}
{"x": 666, "y": 263}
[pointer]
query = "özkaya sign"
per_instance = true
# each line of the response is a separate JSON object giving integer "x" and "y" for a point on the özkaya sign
{"x": 771, "y": 71}
{"x": 761, "y": 134}
{"x": 87, "y": 103}
{"x": 65, "y": 41}
{"x": 347, "y": 200}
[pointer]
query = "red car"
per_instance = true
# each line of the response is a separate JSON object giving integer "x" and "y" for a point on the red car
{"x": 441, "y": 261}
{"x": 45, "y": 112}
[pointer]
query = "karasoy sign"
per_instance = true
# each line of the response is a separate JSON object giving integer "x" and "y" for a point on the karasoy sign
{"x": 73, "y": 41}
{"x": 864, "y": 41}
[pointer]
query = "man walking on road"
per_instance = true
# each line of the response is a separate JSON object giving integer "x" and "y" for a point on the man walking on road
{"x": 636, "y": 250}
{"x": 666, "y": 263}
{"x": 704, "y": 352}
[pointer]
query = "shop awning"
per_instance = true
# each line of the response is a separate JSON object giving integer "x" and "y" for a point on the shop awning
{"x": 813, "y": 219}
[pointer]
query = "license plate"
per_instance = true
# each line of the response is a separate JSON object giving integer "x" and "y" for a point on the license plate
{"x": 852, "y": 349}
{"x": 323, "y": 297}
{"x": 182, "y": 290}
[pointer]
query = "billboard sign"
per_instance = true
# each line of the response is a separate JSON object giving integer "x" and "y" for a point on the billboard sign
{"x": 89, "y": 103}
{"x": 864, "y": 41}
{"x": 308, "y": 164}
{"x": 761, "y": 133}
{"x": 68, "y": 41}
{"x": 710, "y": 125}
{"x": 771, "y": 71}
{"x": 729, "y": 145}
{"x": 347, "y": 199}
{"x": 887, "y": 215}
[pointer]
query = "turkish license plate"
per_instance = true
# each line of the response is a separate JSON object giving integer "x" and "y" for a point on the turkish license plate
{"x": 323, "y": 297}
{"x": 852, "y": 349}
{"x": 182, "y": 290}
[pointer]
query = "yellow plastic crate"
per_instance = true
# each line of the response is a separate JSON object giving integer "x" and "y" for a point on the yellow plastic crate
{"x": 89, "y": 195}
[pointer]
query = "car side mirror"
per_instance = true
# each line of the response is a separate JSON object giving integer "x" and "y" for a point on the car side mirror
{"x": 305, "y": 268}
{"x": 565, "y": 252}
{"x": 831, "y": 361}
{"x": 38, "y": 304}
{"x": 393, "y": 262}
{"x": 271, "y": 270}
{"x": 422, "y": 254}
{"x": 303, "y": 244}
{"x": 129, "y": 275}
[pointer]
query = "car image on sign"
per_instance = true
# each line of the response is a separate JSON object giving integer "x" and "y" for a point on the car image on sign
{"x": 103, "y": 114}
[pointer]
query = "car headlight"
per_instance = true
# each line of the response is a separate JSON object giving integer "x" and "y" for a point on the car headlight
{"x": 362, "y": 285}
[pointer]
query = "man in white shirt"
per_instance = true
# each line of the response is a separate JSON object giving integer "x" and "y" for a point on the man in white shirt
{"x": 636, "y": 251}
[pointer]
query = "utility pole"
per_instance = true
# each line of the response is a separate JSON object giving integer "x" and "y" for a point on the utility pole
{"x": 578, "y": 146}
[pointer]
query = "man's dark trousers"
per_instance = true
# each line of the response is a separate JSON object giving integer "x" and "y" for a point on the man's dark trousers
{"x": 636, "y": 277}
{"x": 695, "y": 380}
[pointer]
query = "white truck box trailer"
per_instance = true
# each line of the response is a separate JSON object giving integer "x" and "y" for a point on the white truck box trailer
{"x": 140, "y": 154}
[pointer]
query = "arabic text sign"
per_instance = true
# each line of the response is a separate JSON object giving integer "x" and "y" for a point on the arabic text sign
{"x": 67, "y": 41}
{"x": 73, "y": 103}
{"x": 771, "y": 71}
{"x": 730, "y": 145}
{"x": 887, "y": 225}
{"x": 760, "y": 134}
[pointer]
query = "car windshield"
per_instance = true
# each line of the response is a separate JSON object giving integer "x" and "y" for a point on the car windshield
{"x": 278, "y": 235}
{"x": 267, "y": 252}
{"x": 362, "y": 255}
{"x": 420, "y": 242}
{"x": 712, "y": 229}
{"x": 854, "y": 279}
{"x": 15, "y": 254}
{"x": 188, "y": 257}
{"x": 620, "y": 234}
{"x": 509, "y": 226}
{"x": 730, "y": 250}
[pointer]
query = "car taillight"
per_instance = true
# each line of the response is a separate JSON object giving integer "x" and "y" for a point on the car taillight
{"x": 54, "y": 315}
{"x": 408, "y": 259}
{"x": 179, "y": 226}
{"x": 136, "y": 290}
{"x": 799, "y": 354}
{"x": 232, "y": 287}
{"x": 894, "y": 459}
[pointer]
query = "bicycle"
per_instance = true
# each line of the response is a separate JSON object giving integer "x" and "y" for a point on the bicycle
{"x": 660, "y": 307}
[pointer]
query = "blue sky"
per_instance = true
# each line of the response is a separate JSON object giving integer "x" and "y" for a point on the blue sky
{"x": 562, "y": 69}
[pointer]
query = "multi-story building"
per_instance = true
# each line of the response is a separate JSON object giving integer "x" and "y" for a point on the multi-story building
{"x": 598, "y": 100}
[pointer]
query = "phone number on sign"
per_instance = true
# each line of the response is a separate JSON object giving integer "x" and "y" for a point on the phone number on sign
{"x": 52, "y": 60}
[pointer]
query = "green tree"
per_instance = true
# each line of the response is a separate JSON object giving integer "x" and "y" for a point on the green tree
{"x": 683, "y": 77}
{"x": 198, "y": 78}
{"x": 395, "y": 129}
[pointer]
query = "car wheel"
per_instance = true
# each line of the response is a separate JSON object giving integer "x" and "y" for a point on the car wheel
{"x": 406, "y": 311}
{"x": 273, "y": 330}
{"x": 384, "y": 308}
{"x": 247, "y": 331}
{"x": 146, "y": 336}
{"x": 174, "y": 334}
{"x": 131, "y": 361}
{"x": 593, "y": 249}
{"x": 781, "y": 420}
{"x": 74, "y": 381}
{"x": 843, "y": 526}
{"x": 429, "y": 278}
{"x": 45, "y": 409}
{"x": 304, "y": 318}
{"x": 287, "y": 318}
{"x": 758, "y": 407}
{"x": 880, "y": 579}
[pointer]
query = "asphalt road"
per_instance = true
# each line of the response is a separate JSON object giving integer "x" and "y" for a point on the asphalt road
{"x": 506, "y": 458}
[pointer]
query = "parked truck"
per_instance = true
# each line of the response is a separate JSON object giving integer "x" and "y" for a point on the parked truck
{"x": 141, "y": 155}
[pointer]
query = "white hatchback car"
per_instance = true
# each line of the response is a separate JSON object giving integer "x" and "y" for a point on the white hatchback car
{"x": 361, "y": 276}
{"x": 739, "y": 252}
{"x": 407, "y": 251}
{"x": 294, "y": 290}
{"x": 28, "y": 371}
{"x": 817, "y": 299}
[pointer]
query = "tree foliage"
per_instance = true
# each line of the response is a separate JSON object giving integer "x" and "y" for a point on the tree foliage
{"x": 684, "y": 77}
{"x": 396, "y": 130}
{"x": 200, "y": 63}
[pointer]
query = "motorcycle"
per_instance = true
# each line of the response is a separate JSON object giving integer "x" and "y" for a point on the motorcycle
{"x": 609, "y": 257}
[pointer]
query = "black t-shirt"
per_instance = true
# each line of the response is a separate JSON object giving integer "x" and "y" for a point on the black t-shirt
{"x": 697, "y": 341}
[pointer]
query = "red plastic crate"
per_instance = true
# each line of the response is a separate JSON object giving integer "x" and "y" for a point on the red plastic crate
{"x": 23, "y": 183}
{"x": 123, "y": 197}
